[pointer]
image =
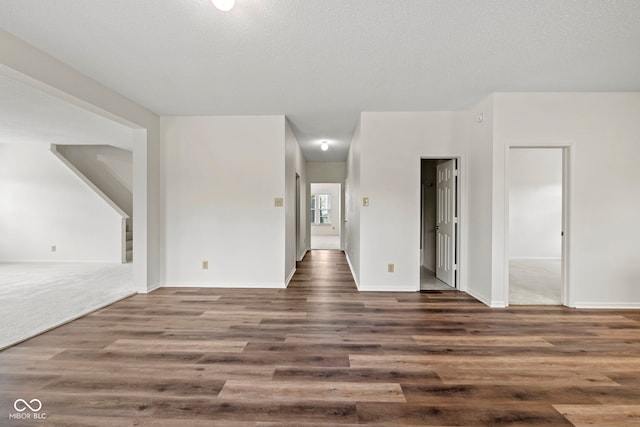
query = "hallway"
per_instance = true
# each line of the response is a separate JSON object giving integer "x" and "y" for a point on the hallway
{"x": 322, "y": 353}
{"x": 323, "y": 271}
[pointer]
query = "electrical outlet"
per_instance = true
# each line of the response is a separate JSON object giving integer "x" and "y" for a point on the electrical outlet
{"x": 278, "y": 202}
{"x": 205, "y": 265}
{"x": 391, "y": 268}
{"x": 53, "y": 248}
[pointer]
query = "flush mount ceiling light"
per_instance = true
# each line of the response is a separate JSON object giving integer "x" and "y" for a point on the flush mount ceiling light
{"x": 224, "y": 5}
{"x": 324, "y": 146}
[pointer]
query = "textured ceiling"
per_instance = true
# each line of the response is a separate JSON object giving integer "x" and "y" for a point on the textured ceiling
{"x": 321, "y": 62}
{"x": 28, "y": 115}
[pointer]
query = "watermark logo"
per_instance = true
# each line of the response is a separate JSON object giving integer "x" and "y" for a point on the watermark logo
{"x": 34, "y": 406}
{"x": 21, "y": 405}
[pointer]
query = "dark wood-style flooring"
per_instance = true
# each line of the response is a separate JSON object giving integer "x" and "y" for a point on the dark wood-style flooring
{"x": 320, "y": 353}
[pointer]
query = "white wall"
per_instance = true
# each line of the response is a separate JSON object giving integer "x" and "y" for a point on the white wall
{"x": 21, "y": 61}
{"x": 602, "y": 132}
{"x": 478, "y": 137}
{"x": 352, "y": 197}
{"x": 535, "y": 202}
{"x": 108, "y": 168}
{"x": 326, "y": 171}
{"x": 220, "y": 178}
{"x": 294, "y": 165}
{"x": 303, "y": 237}
{"x": 392, "y": 145}
{"x": 334, "y": 192}
{"x": 43, "y": 203}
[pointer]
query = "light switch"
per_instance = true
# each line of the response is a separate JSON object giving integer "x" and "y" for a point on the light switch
{"x": 278, "y": 202}
{"x": 365, "y": 201}
{"x": 391, "y": 268}
{"x": 205, "y": 265}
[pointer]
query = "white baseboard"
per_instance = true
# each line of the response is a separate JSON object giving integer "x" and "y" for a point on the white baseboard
{"x": 486, "y": 301}
{"x": 536, "y": 258}
{"x": 353, "y": 274}
{"x": 224, "y": 285}
{"x": 497, "y": 304}
{"x": 61, "y": 261}
{"x": 151, "y": 288}
{"x": 303, "y": 254}
{"x": 608, "y": 305}
{"x": 286, "y": 283}
{"x": 386, "y": 288}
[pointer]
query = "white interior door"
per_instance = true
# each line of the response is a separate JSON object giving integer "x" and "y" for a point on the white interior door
{"x": 446, "y": 222}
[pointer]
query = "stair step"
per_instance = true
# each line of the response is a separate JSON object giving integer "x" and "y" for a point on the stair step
{"x": 129, "y": 245}
{"x": 129, "y": 235}
{"x": 129, "y": 256}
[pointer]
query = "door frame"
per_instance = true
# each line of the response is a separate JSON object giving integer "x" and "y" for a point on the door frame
{"x": 341, "y": 208}
{"x": 460, "y": 283}
{"x": 298, "y": 222}
{"x": 568, "y": 153}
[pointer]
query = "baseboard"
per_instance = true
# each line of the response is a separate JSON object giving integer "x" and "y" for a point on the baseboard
{"x": 293, "y": 272}
{"x": 535, "y": 258}
{"x": 608, "y": 305}
{"x": 387, "y": 288}
{"x": 303, "y": 255}
{"x": 60, "y": 261}
{"x": 353, "y": 274}
{"x": 486, "y": 301}
{"x": 151, "y": 288}
{"x": 224, "y": 285}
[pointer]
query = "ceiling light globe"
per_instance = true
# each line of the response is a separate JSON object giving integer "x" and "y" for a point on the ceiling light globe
{"x": 324, "y": 146}
{"x": 224, "y": 5}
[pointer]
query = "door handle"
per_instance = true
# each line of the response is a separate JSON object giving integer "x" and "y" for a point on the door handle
{"x": 436, "y": 228}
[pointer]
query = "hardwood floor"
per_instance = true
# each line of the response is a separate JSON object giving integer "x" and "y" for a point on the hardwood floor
{"x": 320, "y": 353}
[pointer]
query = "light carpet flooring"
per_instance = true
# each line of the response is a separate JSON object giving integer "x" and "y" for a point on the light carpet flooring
{"x": 36, "y": 297}
{"x": 429, "y": 282}
{"x": 325, "y": 242}
{"x": 535, "y": 282}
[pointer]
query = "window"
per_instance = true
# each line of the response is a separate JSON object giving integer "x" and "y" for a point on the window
{"x": 320, "y": 209}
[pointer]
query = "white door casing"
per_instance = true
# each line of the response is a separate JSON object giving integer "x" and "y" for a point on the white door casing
{"x": 446, "y": 222}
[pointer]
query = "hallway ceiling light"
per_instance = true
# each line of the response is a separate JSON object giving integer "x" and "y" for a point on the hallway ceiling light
{"x": 224, "y": 5}
{"x": 324, "y": 146}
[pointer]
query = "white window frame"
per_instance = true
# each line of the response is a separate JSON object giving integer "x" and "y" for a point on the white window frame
{"x": 317, "y": 212}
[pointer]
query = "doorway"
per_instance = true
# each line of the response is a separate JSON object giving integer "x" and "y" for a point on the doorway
{"x": 536, "y": 224}
{"x": 326, "y": 227}
{"x": 67, "y": 259}
{"x": 439, "y": 224}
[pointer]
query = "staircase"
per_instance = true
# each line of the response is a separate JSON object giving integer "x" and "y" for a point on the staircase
{"x": 129, "y": 240}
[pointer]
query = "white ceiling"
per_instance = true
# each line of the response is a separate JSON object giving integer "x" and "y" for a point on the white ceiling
{"x": 321, "y": 62}
{"x": 28, "y": 115}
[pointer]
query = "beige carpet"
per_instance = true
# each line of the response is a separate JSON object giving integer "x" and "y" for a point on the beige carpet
{"x": 36, "y": 297}
{"x": 535, "y": 282}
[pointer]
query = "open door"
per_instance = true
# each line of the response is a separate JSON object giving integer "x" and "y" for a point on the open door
{"x": 446, "y": 221}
